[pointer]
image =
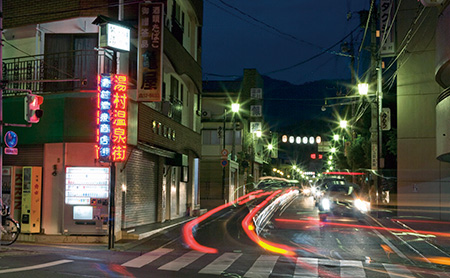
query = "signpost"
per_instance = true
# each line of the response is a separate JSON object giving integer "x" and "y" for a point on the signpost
{"x": 11, "y": 140}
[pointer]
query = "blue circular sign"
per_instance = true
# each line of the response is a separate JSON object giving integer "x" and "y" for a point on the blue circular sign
{"x": 11, "y": 139}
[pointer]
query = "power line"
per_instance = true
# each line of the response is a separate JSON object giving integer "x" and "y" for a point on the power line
{"x": 313, "y": 57}
{"x": 279, "y": 31}
{"x": 79, "y": 9}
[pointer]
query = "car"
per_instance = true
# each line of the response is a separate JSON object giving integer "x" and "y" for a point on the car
{"x": 270, "y": 182}
{"x": 341, "y": 198}
{"x": 322, "y": 185}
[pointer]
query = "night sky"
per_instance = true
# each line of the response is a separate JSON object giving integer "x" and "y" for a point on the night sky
{"x": 280, "y": 38}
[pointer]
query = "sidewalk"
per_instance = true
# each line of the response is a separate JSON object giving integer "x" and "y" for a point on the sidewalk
{"x": 129, "y": 237}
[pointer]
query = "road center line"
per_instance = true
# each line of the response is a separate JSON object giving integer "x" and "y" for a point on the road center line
{"x": 26, "y": 268}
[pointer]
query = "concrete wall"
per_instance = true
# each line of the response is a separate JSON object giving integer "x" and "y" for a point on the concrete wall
{"x": 421, "y": 178}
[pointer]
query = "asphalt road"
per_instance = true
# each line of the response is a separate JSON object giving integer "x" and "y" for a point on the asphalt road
{"x": 340, "y": 247}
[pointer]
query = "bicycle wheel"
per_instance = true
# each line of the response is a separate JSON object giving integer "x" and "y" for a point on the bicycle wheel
{"x": 10, "y": 232}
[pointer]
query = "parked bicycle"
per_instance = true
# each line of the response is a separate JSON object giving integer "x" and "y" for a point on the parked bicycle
{"x": 10, "y": 227}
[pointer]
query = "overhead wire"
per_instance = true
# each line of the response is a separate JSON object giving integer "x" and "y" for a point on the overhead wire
{"x": 278, "y": 30}
{"x": 312, "y": 57}
{"x": 79, "y": 9}
{"x": 408, "y": 37}
{"x": 241, "y": 18}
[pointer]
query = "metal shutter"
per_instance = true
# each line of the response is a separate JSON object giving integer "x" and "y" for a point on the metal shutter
{"x": 29, "y": 155}
{"x": 142, "y": 187}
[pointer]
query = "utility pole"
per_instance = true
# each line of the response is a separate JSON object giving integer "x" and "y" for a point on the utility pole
{"x": 376, "y": 105}
{"x": 224, "y": 147}
{"x": 1, "y": 110}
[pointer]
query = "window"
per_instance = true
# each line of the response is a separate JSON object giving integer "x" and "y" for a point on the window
{"x": 229, "y": 137}
{"x": 210, "y": 137}
{"x": 181, "y": 93}
{"x": 173, "y": 88}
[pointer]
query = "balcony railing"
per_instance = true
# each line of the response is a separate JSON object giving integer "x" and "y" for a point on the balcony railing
{"x": 57, "y": 72}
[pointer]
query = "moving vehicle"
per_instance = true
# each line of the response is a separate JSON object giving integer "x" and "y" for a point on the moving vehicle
{"x": 341, "y": 198}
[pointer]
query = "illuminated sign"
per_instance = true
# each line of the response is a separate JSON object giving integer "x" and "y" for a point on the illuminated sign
{"x": 84, "y": 183}
{"x": 150, "y": 51}
{"x": 118, "y": 37}
{"x": 112, "y": 117}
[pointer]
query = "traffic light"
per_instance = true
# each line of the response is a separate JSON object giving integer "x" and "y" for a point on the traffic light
{"x": 32, "y": 108}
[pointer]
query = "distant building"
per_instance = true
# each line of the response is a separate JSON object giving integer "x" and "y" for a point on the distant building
{"x": 224, "y": 176}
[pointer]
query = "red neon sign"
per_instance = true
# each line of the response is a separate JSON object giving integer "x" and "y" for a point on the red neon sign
{"x": 119, "y": 118}
{"x": 112, "y": 117}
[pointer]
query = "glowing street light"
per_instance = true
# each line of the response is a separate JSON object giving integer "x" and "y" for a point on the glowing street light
{"x": 363, "y": 89}
{"x": 270, "y": 147}
{"x": 336, "y": 137}
{"x": 343, "y": 124}
{"x": 235, "y": 107}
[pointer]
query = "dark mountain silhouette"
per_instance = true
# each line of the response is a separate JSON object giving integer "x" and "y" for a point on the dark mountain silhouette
{"x": 288, "y": 106}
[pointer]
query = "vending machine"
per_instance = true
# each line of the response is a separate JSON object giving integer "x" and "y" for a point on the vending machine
{"x": 86, "y": 204}
{"x": 12, "y": 190}
{"x": 31, "y": 199}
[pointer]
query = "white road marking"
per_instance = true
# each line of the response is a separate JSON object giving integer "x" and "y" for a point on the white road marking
{"x": 385, "y": 240}
{"x": 220, "y": 264}
{"x": 352, "y": 269}
{"x": 306, "y": 267}
{"x": 147, "y": 258}
{"x": 152, "y": 232}
{"x": 26, "y": 268}
{"x": 182, "y": 261}
{"x": 398, "y": 271}
{"x": 262, "y": 267}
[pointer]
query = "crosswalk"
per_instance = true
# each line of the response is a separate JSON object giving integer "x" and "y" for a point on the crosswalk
{"x": 264, "y": 266}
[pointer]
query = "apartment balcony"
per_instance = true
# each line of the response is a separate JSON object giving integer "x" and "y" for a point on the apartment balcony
{"x": 74, "y": 71}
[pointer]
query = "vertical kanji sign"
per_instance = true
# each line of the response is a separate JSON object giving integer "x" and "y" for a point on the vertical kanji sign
{"x": 150, "y": 51}
{"x": 112, "y": 117}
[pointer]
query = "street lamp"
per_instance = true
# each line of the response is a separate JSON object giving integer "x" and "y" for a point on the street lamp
{"x": 235, "y": 109}
{"x": 363, "y": 89}
{"x": 343, "y": 124}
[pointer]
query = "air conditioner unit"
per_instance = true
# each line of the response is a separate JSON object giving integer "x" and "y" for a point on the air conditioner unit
{"x": 431, "y": 3}
{"x": 206, "y": 114}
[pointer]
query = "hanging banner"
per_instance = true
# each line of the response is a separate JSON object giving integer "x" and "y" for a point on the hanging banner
{"x": 150, "y": 51}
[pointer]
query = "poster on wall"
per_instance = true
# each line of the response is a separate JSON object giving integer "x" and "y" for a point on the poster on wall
{"x": 150, "y": 51}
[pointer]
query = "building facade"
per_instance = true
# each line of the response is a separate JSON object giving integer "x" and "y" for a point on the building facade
{"x": 52, "y": 49}
{"x": 234, "y": 144}
{"x": 423, "y": 108}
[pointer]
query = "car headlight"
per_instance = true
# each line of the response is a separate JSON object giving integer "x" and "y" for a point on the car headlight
{"x": 306, "y": 191}
{"x": 325, "y": 204}
{"x": 362, "y": 205}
